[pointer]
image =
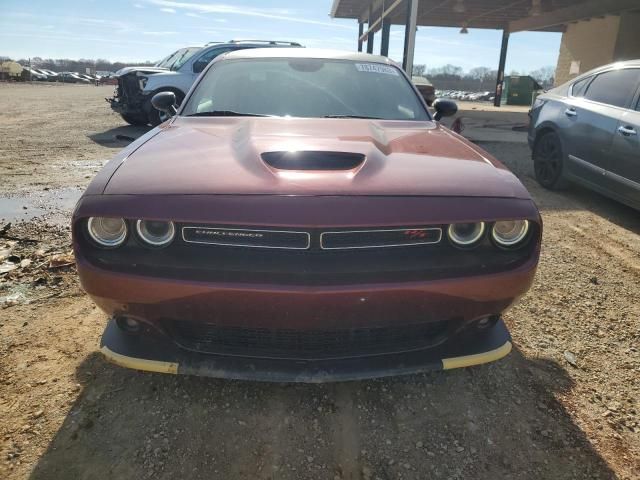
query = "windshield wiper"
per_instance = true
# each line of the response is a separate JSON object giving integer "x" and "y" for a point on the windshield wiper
{"x": 352, "y": 116}
{"x": 226, "y": 113}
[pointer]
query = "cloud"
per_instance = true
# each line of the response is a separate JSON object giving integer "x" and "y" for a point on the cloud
{"x": 168, "y": 10}
{"x": 137, "y": 5}
{"x": 65, "y": 37}
{"x": 194, "y": 15}
{"x": 112, "y": 26}
{"x": 221, "y": 8}
{"x": 159, "y": 33}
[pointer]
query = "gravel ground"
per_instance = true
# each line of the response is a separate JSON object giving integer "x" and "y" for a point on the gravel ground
{"x": 563, "y": 405}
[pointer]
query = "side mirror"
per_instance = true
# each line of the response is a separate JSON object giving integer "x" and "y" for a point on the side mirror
{"x": 444, "y": 108}
{"x": 165, "y": 102}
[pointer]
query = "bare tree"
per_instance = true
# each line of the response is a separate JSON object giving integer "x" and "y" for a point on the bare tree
{"x": 480, "y": 73}
{"x": 544, "y": 75}
{"x": 419, "y": 70}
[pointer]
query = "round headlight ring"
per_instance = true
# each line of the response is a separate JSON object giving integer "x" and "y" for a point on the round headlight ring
{"x": 107, "y": 232}
{"x": 466, "y": 240}
{"x": 510, "y": 233}
{"x": 162, "y": 236}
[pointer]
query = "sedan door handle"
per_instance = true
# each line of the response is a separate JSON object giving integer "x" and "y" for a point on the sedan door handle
{"x": 570, "y": 112}
{"x": 627, "y": 131}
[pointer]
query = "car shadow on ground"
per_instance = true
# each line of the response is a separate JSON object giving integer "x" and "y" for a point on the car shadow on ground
{"x": 501, "y": 420}
{"x": 119, "y": 137}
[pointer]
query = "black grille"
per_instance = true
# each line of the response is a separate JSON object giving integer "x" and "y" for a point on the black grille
{"x": 128, "y": 87}
{"x": 236, "y": 237}
{"x": 307, "y": 344}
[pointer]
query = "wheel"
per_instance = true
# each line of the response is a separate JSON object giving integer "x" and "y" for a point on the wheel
{"x": 156, "y": 117}
{"x": 548, "y": 162}
{"x": 134, "y": 119}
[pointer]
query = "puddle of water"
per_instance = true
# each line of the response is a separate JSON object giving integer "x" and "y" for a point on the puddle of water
{"x": 52, "y": 206}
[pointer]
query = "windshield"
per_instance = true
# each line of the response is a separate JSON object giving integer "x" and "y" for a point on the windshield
{"x": 177, "y": 59}
{"x": 306, "y": 88}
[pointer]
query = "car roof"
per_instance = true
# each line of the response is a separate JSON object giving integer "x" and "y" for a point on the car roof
{"x": 610, "y": 66}
{"x": 307, "y": 53}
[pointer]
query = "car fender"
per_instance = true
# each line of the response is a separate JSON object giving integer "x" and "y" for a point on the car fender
{"x": 544, "y": 119}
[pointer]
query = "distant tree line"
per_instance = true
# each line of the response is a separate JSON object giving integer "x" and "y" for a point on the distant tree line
{"x": 447, "y": 77}
{"x": 68, "y": 65}
{"x": 453, "y": 77}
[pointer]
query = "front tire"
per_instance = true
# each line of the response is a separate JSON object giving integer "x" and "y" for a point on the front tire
{"x": 136, "y": 120}
{"x": 548, "y": 162}
{"x": 156, "y": 117}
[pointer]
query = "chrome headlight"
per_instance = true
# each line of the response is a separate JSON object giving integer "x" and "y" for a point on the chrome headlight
{"x": 510, "y": 232}
{"x": 107, "y": 231}
{"x": 465, "y": 234}
{"x": 155, "y": 232}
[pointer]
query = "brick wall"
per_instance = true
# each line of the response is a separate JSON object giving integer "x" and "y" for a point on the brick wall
{"x": 590, "y": 42}
{"x": 597, "y": 42}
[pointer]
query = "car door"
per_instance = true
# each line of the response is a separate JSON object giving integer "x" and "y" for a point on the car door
{"x": 625, "y": 170}
{"x": 593, "y": 113}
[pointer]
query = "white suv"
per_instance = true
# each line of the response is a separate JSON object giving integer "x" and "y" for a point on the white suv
{"x": 175, "y": 73}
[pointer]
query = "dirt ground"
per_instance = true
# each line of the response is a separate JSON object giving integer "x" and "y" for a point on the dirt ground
{"x": 563, "y": 405}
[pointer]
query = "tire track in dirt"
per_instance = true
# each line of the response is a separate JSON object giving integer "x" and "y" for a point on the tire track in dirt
{"x": 346, "y": 432}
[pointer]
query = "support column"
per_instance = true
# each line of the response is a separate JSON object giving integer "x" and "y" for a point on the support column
{"x": 360, "y": 32}
{"x": 503, "y": 60}
{"x": 410, "y": 36}
{"x": 370, "y": 34}
{"x": 384, "y": 42}
{"x": 370, "y": 42}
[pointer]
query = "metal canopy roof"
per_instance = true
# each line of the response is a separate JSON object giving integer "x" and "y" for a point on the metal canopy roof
{"x": 512, "y": 15}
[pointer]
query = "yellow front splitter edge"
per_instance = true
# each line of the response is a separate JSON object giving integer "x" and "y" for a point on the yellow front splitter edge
{"x": 171, "y": 367}
{"x": 477, "y": 358}
{"x": 139, "y": 363}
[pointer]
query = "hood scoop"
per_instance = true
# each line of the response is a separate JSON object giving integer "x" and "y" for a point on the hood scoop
{"x": 313, "y": 160}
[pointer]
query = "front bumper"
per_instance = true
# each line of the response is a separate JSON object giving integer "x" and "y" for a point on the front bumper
{"x": 130, "y": 104}
{"x": 156, "y": 354}
{"x": 127, "y": 106}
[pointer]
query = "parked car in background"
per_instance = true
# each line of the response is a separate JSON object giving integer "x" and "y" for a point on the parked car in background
{"x": 303, "y": 217}
{"x": 588, "y": 131}
{"x": 32, "y": 74}
{"x": 51, "y": 76}
{"x": 71, "y": 77}
{"x": 86, "y": 76}
{"x": 175, "y": 73}
{"x": 426, "y": 89}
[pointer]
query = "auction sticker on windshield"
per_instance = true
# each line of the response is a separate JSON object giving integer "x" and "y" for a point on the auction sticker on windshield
{"x": 376, "y": 68}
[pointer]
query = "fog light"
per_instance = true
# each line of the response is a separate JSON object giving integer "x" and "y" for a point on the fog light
{"x": 128, "y": 324}
{"x": 487, "y": 322}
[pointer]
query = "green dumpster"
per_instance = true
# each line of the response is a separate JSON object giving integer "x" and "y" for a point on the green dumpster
{"x": 518, "y": 89}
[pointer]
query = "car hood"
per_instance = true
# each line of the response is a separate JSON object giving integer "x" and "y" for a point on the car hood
{"x": 143, "y": 70}
{"x": 223, "y": 155}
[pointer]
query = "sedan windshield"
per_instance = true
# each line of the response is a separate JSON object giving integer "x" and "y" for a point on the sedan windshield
{"x": 312, "y": 88}
{"x": 177, "y": 59}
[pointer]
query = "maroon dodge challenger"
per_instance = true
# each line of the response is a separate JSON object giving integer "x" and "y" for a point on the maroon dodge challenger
{"x": 303, "y": 217}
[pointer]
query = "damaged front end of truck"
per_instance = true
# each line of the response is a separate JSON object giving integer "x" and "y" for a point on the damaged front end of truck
{"x": 130, "y": 99}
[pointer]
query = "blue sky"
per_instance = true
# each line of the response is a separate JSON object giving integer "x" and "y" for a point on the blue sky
{"x": 137, "y": 30}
